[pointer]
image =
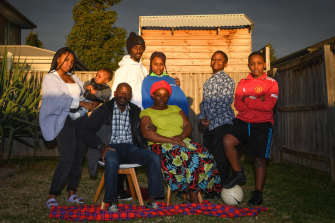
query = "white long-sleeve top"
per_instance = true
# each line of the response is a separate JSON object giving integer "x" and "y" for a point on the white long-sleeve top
{"x": 133, "y": 73}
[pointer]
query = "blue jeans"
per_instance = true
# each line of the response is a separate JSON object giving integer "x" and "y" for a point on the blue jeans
{"x": 129, "y": 153}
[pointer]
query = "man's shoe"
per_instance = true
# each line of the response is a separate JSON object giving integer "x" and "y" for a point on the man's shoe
{"x": 152, "y": 205}
{"x": 124, "y": 196}
{"x": 113, "y": 207}
{"x": 238, "y": 177}
{"x": 256, "y": 198}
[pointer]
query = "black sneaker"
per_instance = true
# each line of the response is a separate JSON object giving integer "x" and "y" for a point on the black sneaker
{"x": 152, "y": 205}
{"x": 124, "y": 196}
{"x": 113, "y": 207}
{"x": 238, "y": 177}
{"x": 256, "y": 198}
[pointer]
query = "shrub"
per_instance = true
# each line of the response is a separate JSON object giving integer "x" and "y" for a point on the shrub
{"x": 19, "y": 101}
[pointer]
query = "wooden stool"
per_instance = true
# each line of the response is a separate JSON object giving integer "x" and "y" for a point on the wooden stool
{"x": 129, "y": 170}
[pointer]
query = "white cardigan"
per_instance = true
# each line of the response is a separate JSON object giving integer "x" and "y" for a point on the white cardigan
{"x": 56, "y": 103}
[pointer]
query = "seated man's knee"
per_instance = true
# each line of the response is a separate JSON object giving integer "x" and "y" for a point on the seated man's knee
{"x": 155, "y": 160}
{"x": 112, "y": 159}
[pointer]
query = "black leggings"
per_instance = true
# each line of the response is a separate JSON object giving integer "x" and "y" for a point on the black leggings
{"x": 71, "y": 148}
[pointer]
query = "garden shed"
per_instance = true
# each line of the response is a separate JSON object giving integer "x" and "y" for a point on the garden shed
{"x": 190, "y": 40}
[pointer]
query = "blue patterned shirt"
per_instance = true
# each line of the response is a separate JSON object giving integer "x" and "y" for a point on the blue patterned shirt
{"x": 218, "y": 95}
{"x": 121, "y": 129}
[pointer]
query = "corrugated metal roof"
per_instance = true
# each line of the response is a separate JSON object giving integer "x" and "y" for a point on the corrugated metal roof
{"x": 174, "y": 21}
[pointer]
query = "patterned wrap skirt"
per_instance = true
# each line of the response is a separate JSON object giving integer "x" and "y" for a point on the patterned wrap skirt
{"x": 188, "y": 169}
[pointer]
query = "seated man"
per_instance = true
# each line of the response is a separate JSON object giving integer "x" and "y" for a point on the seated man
{"x": 114, "y": 129}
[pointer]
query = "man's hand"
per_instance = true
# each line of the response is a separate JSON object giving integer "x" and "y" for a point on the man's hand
{"x": 104, "y": 150}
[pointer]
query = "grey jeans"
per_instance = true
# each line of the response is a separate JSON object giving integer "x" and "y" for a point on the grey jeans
{"x": 71, "y": 148}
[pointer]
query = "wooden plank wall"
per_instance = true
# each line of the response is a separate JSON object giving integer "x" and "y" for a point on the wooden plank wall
{"x": 189, "y": 51}
{"x": 301, "y": 131}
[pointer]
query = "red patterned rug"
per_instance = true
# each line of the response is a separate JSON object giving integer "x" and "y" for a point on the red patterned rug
{"x": 129, "y": 211}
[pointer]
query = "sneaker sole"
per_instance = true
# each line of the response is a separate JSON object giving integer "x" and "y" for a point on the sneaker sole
{"x": 125, "y": 199}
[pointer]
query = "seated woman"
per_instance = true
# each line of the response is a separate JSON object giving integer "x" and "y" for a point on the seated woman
{"x": 156, "y": 73}
{"x": 187, "y": 165}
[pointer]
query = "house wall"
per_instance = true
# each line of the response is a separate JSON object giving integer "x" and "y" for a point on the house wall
{"x": 189, "y": 51}
{"x": 2, "y": 29}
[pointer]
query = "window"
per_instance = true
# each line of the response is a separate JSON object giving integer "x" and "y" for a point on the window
{"x": 10, "y": 33}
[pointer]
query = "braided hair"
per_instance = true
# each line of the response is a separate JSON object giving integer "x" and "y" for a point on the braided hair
{"x": 58, "y": 54}
{"x": 160, "y": 55}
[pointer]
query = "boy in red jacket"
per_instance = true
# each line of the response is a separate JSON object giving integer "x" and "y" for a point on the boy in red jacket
{"x": 255, "y": 98}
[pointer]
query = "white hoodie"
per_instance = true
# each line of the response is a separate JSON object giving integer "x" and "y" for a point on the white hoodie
{"x": 132, "y": 73}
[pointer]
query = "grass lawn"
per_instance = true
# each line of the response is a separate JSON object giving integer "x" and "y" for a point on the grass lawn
{"x": 292, "y": 194}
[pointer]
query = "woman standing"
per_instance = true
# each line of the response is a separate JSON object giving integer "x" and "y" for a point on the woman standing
{"x": 156, "y": 73}
{"x": 61, "y": 91}
{"x": 187, "y": 165}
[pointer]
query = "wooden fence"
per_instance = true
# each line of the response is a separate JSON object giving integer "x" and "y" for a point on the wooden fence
{"x": 305, "y": 123}
{"x": 191, "y": 84}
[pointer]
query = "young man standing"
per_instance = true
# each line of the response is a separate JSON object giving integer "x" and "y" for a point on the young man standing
{"x": 216, "y": 113}
{"x": 131, "y": 69}
{"x": 255, "y": 99}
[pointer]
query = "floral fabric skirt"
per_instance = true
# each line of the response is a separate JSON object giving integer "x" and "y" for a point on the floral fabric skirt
{"x": 188, "y": 169}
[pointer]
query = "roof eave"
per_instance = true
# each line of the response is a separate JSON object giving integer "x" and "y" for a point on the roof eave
{"x": 15, "y": 16}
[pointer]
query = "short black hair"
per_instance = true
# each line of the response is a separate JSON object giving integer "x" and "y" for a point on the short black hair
{"x": 58, "y": 54}
{"x": 256, "y": 53}
{"x": 223, "y": 53}
{"x": 109, "y": 71}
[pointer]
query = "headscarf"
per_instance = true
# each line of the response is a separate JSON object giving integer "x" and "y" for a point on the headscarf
{"x": 160, "y": 84}
{"x": 134, "y": 40}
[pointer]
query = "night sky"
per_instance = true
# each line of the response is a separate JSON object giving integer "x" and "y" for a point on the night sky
{"x": 288, "y": 25}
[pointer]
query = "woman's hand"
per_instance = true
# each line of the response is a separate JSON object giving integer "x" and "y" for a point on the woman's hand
{"x": 177, "y": 140}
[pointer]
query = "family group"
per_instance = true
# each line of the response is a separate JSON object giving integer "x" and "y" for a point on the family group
{"x": 143, "y": 119}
